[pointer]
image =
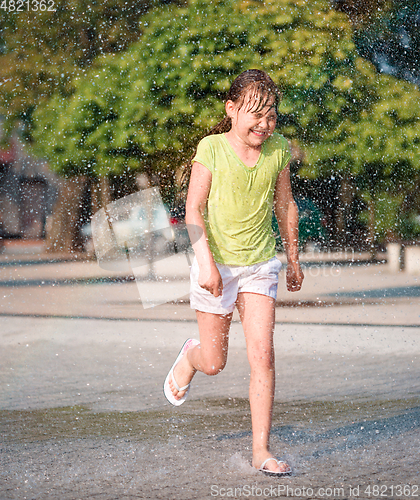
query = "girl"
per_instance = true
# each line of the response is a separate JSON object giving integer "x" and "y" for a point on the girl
{"x": 239, "y": 170}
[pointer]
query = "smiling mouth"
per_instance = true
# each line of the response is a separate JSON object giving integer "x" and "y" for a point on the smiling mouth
{"x": 259, "y": 132}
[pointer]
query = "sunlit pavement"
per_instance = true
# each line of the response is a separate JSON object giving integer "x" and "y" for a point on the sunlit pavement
{"x": 83, "y": 414}
{"x": 332, "y": 294}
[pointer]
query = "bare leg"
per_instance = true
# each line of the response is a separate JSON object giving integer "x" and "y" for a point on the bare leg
{"x": 210, "y": 356}
{"x": 257, "y": 314}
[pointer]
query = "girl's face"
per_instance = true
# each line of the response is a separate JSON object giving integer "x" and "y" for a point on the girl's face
{"x": 251, "y": 125}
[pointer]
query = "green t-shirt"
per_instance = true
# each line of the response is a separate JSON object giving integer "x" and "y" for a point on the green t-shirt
{"x": 239, "y": 207}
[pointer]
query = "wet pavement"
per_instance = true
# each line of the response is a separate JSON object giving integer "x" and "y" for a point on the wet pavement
{"x": 83, "y": 414}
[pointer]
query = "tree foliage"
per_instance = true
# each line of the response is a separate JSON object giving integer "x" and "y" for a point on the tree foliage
{"x": 162, "y": 93}
{"x": 42, "y": 52}
{"x": 148, "y": 105}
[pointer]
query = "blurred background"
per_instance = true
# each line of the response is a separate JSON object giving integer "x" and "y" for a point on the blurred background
{"x": 101, "y": 99}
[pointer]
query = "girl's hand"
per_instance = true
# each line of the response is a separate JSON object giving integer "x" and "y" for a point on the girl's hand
{"x": 294, "y": 277}
{"x": 210, "y": 280}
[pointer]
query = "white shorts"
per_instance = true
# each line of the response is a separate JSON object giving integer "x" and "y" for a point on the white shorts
{"x": 261, "y": 278}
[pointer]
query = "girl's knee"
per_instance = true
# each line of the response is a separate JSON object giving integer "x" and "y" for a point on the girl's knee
{"x": 213, "y": 360}
{"x": 213, "y": 367}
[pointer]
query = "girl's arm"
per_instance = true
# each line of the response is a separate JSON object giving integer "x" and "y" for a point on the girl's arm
{"x": 287, "y": 215}
{"x": 198, "y": 191}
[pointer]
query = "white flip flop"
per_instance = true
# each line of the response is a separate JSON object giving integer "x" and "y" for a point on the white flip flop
{"x": 286, "y": 472}
{"x": 166, "y": 389}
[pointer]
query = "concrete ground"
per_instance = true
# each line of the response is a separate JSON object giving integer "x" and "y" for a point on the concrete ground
{"x": 82, "y": 363}
{"x": 346, "y": 289}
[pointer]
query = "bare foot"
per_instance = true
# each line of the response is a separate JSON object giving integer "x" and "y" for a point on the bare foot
{"x": 272, "y": 464}
{"x": 183, "y": 373}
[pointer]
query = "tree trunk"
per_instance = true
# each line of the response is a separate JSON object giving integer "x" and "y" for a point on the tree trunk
{"x": 104, "y": 191}
{"x": 62, "y": 227}
{"x": 346, "y": 199}
{"x": 95, "y": 195}
{"x": 61, "y": 233}
{"x": 143, "y": 182}
{"x": 371, "y": 227}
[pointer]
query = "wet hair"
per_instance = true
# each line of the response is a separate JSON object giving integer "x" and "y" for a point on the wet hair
{"x": 252, "y": 83}
{"x": 256, "y": 85}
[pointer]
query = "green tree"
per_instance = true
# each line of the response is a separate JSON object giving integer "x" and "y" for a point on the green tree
{"x": 379, "y": 152}
{"x": 174, "y": 76}
{"x": 42, "y": 52}
{"x": 386, "y": 33}
{"x": 148, "y": 106}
